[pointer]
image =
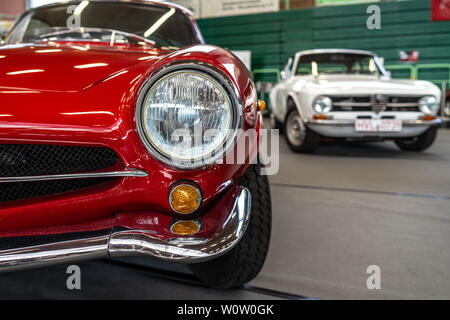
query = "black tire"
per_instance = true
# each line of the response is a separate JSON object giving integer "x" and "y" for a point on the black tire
{"x": 275, "y": 124}
{"x": 310, "y": 140}
{"x": 420, "y": 143}
{"x": 243, "y": 263}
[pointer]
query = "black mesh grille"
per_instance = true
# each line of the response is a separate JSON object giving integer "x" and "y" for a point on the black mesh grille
{"x": 28, "y": 190}
{"x": 35, "y": 160}
{"x": 32, "y": 160}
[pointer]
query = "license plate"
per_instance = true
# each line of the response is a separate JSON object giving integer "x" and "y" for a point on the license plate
{"x": 379, "y": 125}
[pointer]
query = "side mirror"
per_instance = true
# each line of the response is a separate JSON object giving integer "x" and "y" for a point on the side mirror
{"x": 283, "y": 75}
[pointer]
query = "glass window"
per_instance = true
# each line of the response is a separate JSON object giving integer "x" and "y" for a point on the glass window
{"x": 337, "y": 63}
{"x": 163, "y": 25}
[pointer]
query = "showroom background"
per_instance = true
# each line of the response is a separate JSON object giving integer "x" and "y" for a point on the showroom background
{"x": 274, "y": 37}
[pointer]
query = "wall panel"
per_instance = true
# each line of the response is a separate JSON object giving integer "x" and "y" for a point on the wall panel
{"x": 273, "y": 37}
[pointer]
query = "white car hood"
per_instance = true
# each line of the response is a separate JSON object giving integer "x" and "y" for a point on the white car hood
{"x": 358, "y": 84}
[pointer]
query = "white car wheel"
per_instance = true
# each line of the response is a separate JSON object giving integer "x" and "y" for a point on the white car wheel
{"x": 296, "y": 130}
{"x": 298, "y": 136}
{"x": 420, "y": 143}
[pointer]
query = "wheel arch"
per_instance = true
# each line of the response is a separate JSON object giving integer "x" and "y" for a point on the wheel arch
{"x": 292, "y": 97}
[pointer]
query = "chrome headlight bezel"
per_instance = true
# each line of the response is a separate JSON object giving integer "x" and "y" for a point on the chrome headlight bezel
{"x": 319, "y": 108}
{"x": 228, "y": 87}
{"x": 424, "y": 106}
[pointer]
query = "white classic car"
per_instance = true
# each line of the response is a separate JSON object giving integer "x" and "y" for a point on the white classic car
{"x": 340, "y": 93}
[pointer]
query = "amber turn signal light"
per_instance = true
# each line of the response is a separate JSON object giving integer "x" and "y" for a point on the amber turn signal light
{"x": 185, "y": 199}
{"x": 260, "y": 105}
{"x": 320, "y": 117}
{"x": 429, "y": 118}
{"x": 185, "y": 228}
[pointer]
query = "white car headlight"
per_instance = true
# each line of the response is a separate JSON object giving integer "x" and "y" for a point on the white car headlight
{"x": 187, "y": 118}
{"x": 322, "y": 105}
{"x": 429, "y": 105}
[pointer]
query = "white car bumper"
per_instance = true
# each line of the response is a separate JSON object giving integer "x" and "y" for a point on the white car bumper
{"x": 340, "y": 128}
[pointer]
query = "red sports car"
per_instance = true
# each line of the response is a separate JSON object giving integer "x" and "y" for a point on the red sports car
{"x": 117, "y": 126}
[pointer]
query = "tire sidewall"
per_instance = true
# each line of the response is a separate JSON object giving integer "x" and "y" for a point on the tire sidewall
{"x": 311, "y": 140}
{"x": 420, "y": 143}
{"x": 243, "y": 263}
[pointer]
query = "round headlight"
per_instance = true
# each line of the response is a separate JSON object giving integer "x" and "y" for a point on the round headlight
{"x": 429, "y": 105}
{"x": 187, "y": 119}
{"x": 322, "y": 105}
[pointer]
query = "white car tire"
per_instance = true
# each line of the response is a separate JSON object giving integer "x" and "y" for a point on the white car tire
{"x": 298, "y": 136}
{"x": 420, "y": 143}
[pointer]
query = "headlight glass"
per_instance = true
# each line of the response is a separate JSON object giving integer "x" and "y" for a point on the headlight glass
{"x": 187, "y": 116}
{"x": 429, "y": 105}
{"x": 322, "y": 105}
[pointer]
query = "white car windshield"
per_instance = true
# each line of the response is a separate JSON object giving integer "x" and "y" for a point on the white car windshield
{"x": 338, "y": 63}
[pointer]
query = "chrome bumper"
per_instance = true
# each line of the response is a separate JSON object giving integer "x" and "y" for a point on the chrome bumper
{"x": 68, "y": 248}
{"x": 407, "y": 123}
{"x": 345, "y": 128}
{"x": 126, "y": 243}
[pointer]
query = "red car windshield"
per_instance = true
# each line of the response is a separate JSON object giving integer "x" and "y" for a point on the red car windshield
{"x": 134, "y": 23}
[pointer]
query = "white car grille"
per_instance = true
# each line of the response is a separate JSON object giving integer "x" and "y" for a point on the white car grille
{"x": 375, "y": 103}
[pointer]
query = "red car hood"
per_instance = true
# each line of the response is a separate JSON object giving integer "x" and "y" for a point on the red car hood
{"x": 64, "y": 68}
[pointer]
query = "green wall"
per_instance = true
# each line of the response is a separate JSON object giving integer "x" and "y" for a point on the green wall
{"x": 273, "y": 37}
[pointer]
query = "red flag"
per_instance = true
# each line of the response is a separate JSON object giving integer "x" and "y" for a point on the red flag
{"x": 440, "y": 10}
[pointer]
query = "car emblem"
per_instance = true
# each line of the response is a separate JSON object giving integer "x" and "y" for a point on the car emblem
{"x": 379, "y": 103}
{"x": 380, "y": 99}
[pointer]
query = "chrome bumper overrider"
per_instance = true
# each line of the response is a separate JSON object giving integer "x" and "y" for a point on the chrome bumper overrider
{"x": 68, "y": 248}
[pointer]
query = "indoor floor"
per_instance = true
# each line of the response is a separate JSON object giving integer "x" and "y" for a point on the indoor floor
{"x": 335, "y": 213}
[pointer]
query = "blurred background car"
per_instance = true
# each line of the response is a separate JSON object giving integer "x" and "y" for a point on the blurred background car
{"x": 342, "y": 93}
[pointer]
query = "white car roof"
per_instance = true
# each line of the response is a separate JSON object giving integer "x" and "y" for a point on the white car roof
{"x": 319, "y": 51}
